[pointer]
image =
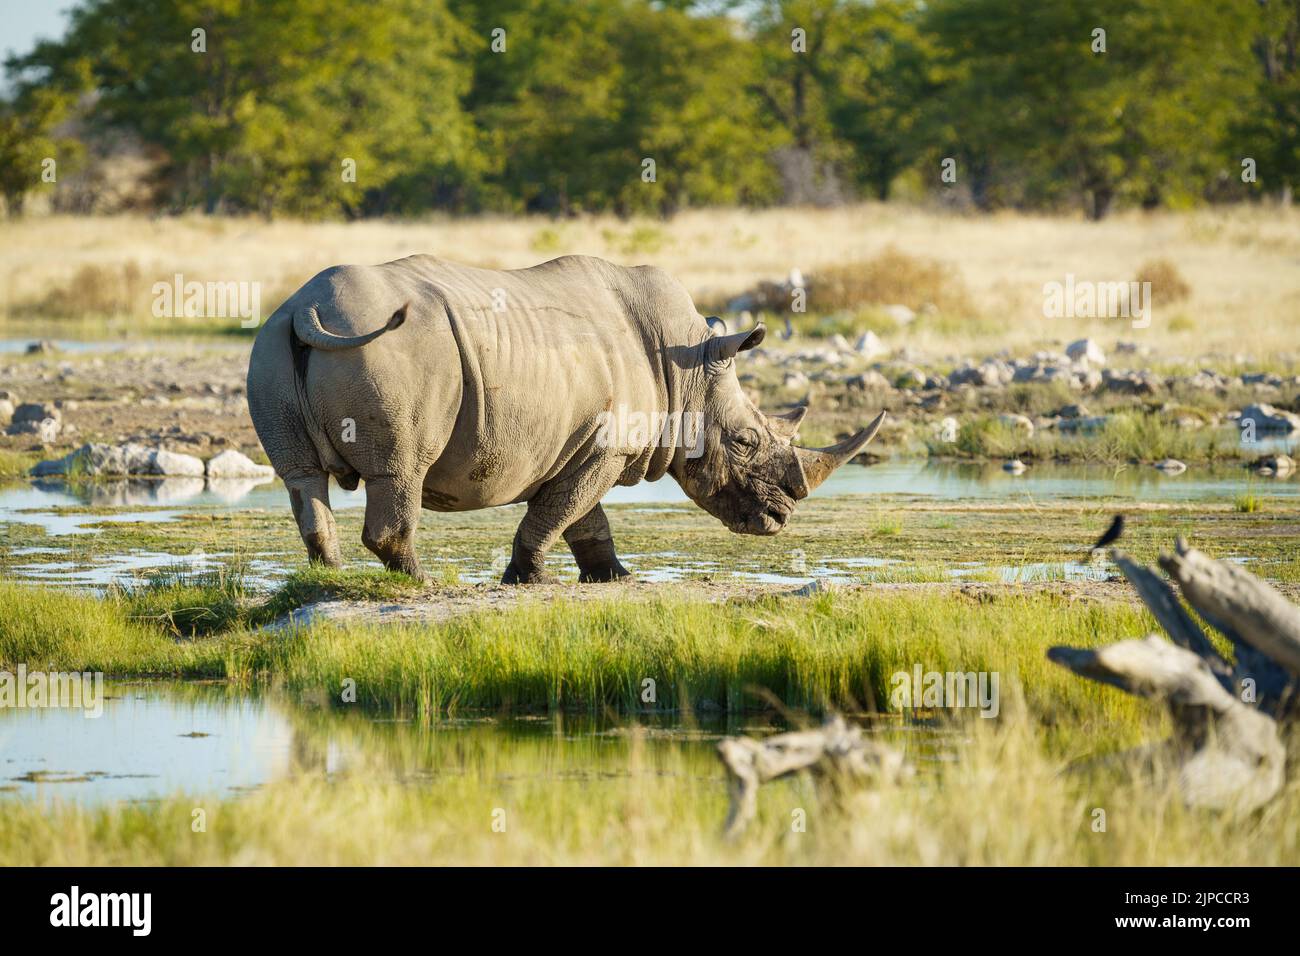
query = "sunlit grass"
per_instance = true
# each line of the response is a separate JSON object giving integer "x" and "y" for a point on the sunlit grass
{"x": 835, "y": 650}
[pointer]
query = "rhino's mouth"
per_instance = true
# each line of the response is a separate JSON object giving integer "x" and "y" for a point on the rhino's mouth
{"x": 771, "y": 520}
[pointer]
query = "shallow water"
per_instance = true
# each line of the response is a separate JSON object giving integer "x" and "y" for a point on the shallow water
{"x": 59, "y": 509}
{"x": 152, "y": 740}
{"x": 909, "y": 478}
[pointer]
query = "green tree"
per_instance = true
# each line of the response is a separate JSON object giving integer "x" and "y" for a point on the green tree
{"x": 28, "y": 138}
{"x": 255, "y": 106}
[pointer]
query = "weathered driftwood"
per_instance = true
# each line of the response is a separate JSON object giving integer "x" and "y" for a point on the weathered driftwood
{"x": 1226, "y": 744}
{"x": 837, "y": 751}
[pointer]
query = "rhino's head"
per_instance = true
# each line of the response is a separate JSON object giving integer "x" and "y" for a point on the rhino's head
{"x": 743, "y": 469}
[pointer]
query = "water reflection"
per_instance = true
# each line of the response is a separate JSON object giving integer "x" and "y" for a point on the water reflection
{"x": 912, "y": 478}
{"x": 159, "y": 739}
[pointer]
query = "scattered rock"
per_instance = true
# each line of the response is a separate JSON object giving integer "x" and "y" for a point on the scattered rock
{"x": 912, "y": 378}
{"x": 43, "y": 347}
{"x": 1021, "y": 423}
{"x": 899, "y": 313}
{"x": 6, "y": 412}
{"x": 1171, "y": 466}
{"x": 1086, "y": 350}
{"x": 36, "y": 418}
{"x": 1266, "y": 418}
{"x": 869, "y": 345}
{"x": 1074, "y": 411}
{"x": 869, "y": 379}
{"x": 1085, "y": 424}
{"x": 235, "y": 464}
{"x": 815, "y": 586}
{"x": 93, "y": 460}
{"x": 990, "y": 373}
{"x": 1275, "y": 466}
{"x": 1130, "y": 382}
{"x": 1015, "y": 466}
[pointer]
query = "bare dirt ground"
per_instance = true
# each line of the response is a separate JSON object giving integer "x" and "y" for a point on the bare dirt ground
{"x": 186, "y": 399}
{"x": 440, "y": 603}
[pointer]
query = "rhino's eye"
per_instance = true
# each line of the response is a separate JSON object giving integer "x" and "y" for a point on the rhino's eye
{"x": 745, "y": 441}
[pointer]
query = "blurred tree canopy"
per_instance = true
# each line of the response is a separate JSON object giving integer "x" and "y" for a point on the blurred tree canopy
{"x": 314, "y": 108}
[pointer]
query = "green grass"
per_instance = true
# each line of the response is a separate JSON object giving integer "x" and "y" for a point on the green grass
{"x": 1248, "y": 503}
{"x": 1125, "y": 437}
{"x": 14, "y": 464}
{"x": 835, "y": 650}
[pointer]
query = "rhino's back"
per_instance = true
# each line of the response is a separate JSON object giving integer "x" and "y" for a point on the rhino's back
{"x": 505, "y": 374}
{"x": 544, "y": 352}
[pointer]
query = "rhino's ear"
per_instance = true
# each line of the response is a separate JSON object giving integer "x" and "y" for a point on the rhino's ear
{"x": 726, "y": 346}
{"x": 787, "y": 424}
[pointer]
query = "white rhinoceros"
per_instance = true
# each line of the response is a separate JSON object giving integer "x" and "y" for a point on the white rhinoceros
{"x": 453, "y": 388}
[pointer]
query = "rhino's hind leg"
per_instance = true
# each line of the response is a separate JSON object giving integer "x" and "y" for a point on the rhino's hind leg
{"x": 593, "y": 548}
{"x": 559, "y": 504}
{"x": 392, "y": 515}
{"x": 309, "y": 496}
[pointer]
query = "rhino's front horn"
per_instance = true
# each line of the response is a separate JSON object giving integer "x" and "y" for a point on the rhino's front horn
{"x": 818, "y": 463}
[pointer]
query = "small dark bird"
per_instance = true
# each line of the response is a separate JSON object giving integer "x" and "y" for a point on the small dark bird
{"x": 1112, "y": 533}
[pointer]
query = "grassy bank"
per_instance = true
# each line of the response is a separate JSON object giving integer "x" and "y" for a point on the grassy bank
{"x": 833, "y": 650}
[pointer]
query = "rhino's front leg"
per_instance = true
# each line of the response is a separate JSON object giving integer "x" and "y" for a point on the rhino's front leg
{"x": 593, "y": 548}
{"x": 556, "y": 505}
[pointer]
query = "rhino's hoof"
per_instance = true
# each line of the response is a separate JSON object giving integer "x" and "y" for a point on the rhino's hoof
{"x": 539, "y": 576}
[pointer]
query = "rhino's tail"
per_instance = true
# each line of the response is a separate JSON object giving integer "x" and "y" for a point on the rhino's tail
{"x": 307, "y": 327}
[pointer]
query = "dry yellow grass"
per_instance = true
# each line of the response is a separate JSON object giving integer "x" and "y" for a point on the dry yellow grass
{"x": 1242, "y": 264}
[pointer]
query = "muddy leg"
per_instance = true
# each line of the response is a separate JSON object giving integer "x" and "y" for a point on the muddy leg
{"x": 557, "y": 504}
{"x": 593, "y": 548}
{"x": 310, "y": 497}
{"x": 392, "y": 514}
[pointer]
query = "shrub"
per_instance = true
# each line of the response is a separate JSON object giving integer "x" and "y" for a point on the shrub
{"x": 1167, "y": 283}
{"x": 891, "y": 277}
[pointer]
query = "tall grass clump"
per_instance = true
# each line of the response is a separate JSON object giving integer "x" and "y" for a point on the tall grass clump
{"x": 892, "y": 277}
{"x": 1167, "y": 282}
{"x": 92, "y": 290}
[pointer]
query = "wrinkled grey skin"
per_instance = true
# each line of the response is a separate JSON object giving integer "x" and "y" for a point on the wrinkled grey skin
{"x": 450, "y": 388}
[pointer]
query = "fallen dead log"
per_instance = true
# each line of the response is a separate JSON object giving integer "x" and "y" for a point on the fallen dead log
{"x": 837, "y": 752}
{"x": 1227, "y": 745}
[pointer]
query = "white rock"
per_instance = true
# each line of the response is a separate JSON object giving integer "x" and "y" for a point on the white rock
{"x": 869, "y": 345}
{"x": 1015, "y": 466}
{"x": 173, "y": 464}
{"x": 94, "y": 460}
{"x": 235, "y": 464}
{"x": 1087, "y": 350}
{"x": 1278, "y": 466}
{"x": 1171, "y": 466}
{"x": 1020, "y": 423}
{"x": 899, "y": 313}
